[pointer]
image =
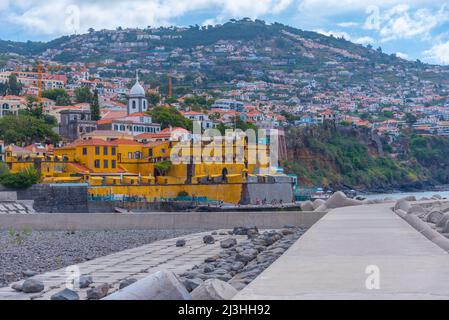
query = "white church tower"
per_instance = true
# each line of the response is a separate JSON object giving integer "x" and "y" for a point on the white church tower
{"x": 137, "y": 101}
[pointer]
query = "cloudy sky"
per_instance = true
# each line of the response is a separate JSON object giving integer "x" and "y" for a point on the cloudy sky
{"x": 413, "y": 29}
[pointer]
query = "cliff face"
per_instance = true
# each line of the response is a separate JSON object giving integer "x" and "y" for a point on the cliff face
{"x": 344, "y": 157}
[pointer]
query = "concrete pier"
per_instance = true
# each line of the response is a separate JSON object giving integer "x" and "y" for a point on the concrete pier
{"x": 361, "y": 252}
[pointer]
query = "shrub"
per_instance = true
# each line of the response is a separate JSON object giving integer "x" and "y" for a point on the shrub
{"x": 21, "y": 180}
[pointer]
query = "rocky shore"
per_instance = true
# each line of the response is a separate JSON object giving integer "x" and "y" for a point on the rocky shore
{"x": 240, "y": 263}
{"x": 25, "y": 253}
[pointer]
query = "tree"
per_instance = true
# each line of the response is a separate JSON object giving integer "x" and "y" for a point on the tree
{"x": 95, "y": 107}
{"x": 162, "y": 167}
{"x": 170, "y": 117}
{"x": 25, "y": 129}
{"x": 153, "y": 98}
{"x": 21, "y": 180}
{"x": 410, "y": 119}
{"x": 13, "y": 86}
{"x": 83, "y": 94}
{"x": 60, "y": 96}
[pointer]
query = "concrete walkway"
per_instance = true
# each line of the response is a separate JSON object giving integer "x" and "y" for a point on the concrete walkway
{"x": 135, "y": 263}
{"x": 340, "y": 256}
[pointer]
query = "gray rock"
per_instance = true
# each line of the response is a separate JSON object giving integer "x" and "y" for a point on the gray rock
{"x": 191, "y": 284}
{"x": 246, "y": 255}
{"x": 208, "y": 239}
{"x": 65, "y": 294}
{"x": 214, "y": 289}
{"x": 287, "y": 231}
{"x": 208, "y": 269}
{"x": 245, "y": 231}
{"x": 126, "y": 283}
{"x": 222, "y": 233}
{"x": 436, "y": 197}
{"x": 180, "y": 243}
{"x": 29, "y": 273}
{"x": 17, "y": 286}
{"x": 83, "y": 281}
{"x": 237, "y": 266}
{"x": 210, "y": 259}
{"x": 98, "y": 292}
{"x": 228, "y": 243}
{"x": 32, "y": 286}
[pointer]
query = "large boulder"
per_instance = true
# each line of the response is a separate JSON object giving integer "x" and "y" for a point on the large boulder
{"x": 322, "y": 208}
{"x": 401, "y": 213}
{"x": 444, "y": 207}
{"x": 434, "y": 216}
{"x": 402, "y": 204}
{"x": 32, "y": 286}
{"x": 416, "y": 222}
{"x": 65, "y": 294}
{"x": 214, "y": 289}
{"x": 339, "y": 199}
{"x": 317, "y": 203}
{"x": 98, "y": 292}
{"x": 443, "y": 221}
{"x": 162, "y": 285}
{"x": 408, "y": 198}
{"x": 227, "y": 243}
{"x": 307, "y": 206}
{"x": 416, "y": 209}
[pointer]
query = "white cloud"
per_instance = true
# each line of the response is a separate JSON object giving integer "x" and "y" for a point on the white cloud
{"x": 401, "y": 23}
{"x": 402, "y": 55}
{"x": 342, "y": 34}
{"x": 348, "y": 24}
{"x": 335, "y": 33}
{"x": 439, "y": 53}
{"x": 365, "y": 40}
{"x": 50, "y": 17}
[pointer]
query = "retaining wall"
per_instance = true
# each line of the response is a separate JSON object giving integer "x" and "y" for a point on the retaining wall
{"x": 189, "y": 220}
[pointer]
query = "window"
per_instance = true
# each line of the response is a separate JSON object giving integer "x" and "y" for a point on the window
{"x": 97, "y": 151}
{"x": 105, "y": 163}
{"x": 113, "y": 164}
{"x": 134, "y": 104}
{"x": 84, "y": 151}
{"x": 105, "y": 151}
{"x": 150, "y": 152}
{"x": 137, "y": 154}
{"x": 113, "y": 151}
{"x": 130, "y": 155}
{"x": 97, "y": 163}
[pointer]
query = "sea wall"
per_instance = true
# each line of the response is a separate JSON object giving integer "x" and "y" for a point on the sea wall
{"x": 56, "y": 198}
{"x": 166, "y": 220}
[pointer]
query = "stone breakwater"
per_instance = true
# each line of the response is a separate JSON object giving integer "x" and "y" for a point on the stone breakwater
{"x": 428, "y": 216}
{"x": 240, "y": 263}
{"x": 337, "y": 200}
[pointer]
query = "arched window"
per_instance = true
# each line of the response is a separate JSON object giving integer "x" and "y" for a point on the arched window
{"x": 134, "y": 104}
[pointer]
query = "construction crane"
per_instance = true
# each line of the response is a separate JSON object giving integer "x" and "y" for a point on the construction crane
{"x": 39, "y": 82}
{"x": 170, "y": 86}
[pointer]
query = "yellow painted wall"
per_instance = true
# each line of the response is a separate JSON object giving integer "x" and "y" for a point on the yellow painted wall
{"x": 226, "y": 192}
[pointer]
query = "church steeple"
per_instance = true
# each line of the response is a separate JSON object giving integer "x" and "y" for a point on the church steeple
{"x": 137, "y": 101}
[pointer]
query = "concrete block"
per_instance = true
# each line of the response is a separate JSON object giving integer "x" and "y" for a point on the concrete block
{"x": 162, "y": 285}
{"x": 214, "y": 289}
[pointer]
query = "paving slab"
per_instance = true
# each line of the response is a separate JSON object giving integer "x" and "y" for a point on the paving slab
{"x": 362, "y": 252}
{"x": 131, "y": 263}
